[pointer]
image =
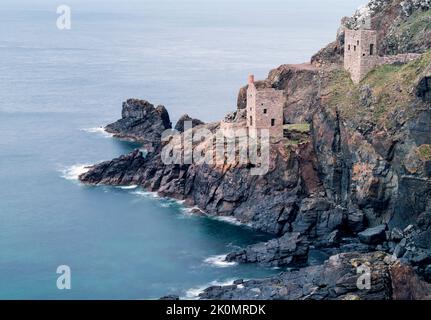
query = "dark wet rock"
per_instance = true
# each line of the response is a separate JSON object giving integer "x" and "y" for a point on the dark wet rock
{"x": 396, "y": 234}
{"x": 330, "y": 222}
{"x": 355, "y": 221}
{"x": 312, "y": 211}
{"x": 170, "y": 298}
{"x": 336, "y": 279}
{"x": 354, "y": 246}
{"x": 142, "y": 122}
{"x": 333, "y": 238}
{"x": 400, "y": 250}
{"x": 423, "y": 89}
{"x": 289, "y": 250}
{"x": 422, "y": 258}
{"x": 373, "y": 235}
{"x": 185, "y": 117}
{"x": 318, "y": 256}
{"x": 122, "y": 171}
{"x": 427, "y": 273}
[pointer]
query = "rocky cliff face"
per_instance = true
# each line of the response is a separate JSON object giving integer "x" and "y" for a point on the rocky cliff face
{"x": 358, "y": 182}
{"x": 267, "y": 202}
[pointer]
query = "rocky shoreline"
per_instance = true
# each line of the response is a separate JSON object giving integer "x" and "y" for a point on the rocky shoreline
{"x": 354, "y": 185}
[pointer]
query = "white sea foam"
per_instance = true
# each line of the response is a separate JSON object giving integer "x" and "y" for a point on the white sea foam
{"x": 231, "y": 220}
{"x": 99, "y": 130}
{"x": 219, "y": 261}
{"x": 129, "y": 187}
{"x": 191, "y": 211}
{"x": 147, "y": 194}
{"x": 194, "y": 293}
{"x": 73, "y": 172}
{"x": 168, "y": 202}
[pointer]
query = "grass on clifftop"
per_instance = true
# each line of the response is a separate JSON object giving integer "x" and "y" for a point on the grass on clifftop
{"x": 391, "y": 88}
{"x": 299, "y": 127}
{"x": 424, "y": 152}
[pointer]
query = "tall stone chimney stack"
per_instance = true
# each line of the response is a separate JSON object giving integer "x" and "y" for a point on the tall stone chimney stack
{"x": 251, "y": 79}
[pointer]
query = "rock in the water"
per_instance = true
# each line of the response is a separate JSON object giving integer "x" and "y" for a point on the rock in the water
{"x": 373, "y": 235}
{"x": 289, "y": 250}
{"x": 170, "y": 298}
{"x": 142, "y": 122}
{"x": 113, "y": 172}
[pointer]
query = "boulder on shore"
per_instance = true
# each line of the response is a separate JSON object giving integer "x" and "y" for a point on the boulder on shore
{"x": 373, "y": 235}
{"x": 289, "y": 250}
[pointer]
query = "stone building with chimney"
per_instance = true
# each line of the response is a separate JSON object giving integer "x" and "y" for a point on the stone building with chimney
{"x": 265, "y": 109}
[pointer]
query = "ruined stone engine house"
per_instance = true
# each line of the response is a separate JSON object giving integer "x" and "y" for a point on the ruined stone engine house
{"x": 360, "y": 54}
{"x": 264, "y": 109}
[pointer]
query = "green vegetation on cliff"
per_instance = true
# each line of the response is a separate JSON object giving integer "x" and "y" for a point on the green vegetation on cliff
{"x": 385, "y": 92}
{"x": 418, "y": 22}
{"x": 411, "y": 34}
{"x": 424, "y": 152}
{"x": 299, "y": 127}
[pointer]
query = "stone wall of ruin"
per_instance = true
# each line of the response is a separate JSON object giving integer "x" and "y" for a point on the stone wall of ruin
{"x": 358, "y": 59}
{"x": 265, "y": 107}
{"x": 399, "y": 58}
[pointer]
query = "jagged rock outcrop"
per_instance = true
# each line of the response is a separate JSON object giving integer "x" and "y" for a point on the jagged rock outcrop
{"x": 186, "y": 118}
{"x": 121, "y": 171}
{"x": 142, "y": 122}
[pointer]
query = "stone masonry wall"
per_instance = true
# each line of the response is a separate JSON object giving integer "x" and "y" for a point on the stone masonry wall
{"x": 360, "y": 53}
{"x": 399, "y": 58}
{"x": 265, "y": 110}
